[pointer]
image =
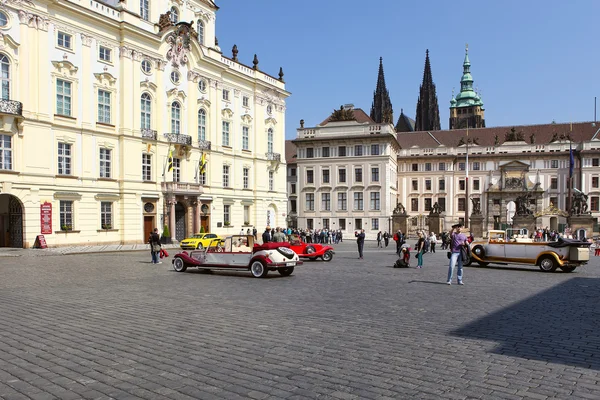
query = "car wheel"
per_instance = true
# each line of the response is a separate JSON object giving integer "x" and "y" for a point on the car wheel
{"x": 567, "y": 268}
{"x": 467, "y": 262}
{"x": 258, "y": 269}
{"x": 479, "y": 251}
{"x": 285, "y": 271}
{"x": 200, "y": 247}
{"x": 327, "y": 256}
{"x": 548, "y": 264}
{"x": 309, "y": 250}
{"x": 179, "y": 265}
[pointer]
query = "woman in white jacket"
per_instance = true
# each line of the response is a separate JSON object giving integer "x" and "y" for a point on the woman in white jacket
{"x": 432, "y": 242}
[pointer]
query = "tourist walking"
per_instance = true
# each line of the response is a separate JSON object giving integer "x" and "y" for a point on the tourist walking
{"x": 420, "y": 250}
{"x": 266, "y": 236}
{"x": 457, "y": 242}
{"x": 432, "y": 242}
{"x": 379, "y": 239}
{"x": 386, "y": 238}
{"x": 360, "y": 241}
{"x": 154, "y": 241}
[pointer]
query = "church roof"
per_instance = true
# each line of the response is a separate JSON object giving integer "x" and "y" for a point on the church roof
{"x": 487, "y": 137}
{"x": 405, "y": 124}
{"x": 360, "y": 116}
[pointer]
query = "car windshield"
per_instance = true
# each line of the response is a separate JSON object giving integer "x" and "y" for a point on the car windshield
{"x": 198, "y": 236}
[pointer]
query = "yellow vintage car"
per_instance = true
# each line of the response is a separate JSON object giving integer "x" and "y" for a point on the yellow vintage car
{"x": 199, "y": 241}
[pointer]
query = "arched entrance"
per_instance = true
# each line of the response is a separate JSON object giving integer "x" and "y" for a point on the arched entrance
{"x": 11, "y": 221}
{"x": 553, "y": 223}
{"x": 511, "y": 208}
{"x": 272, "y": 216}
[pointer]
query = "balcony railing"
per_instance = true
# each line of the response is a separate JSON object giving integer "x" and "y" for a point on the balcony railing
{"x": 182, "y": 188}
{"x": 11, "y": 107}
{"x": 204, "y": 144}
{"x": 178, "y": 138}
{"x": 148, "y": 133}
{"x": 273, "y": 156}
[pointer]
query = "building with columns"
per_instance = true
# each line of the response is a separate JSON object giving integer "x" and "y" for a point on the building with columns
{"x": 108, "y": 110}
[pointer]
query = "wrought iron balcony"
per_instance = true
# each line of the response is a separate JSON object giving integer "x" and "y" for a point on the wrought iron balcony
{"x": 204, "y": 144}
{"x": 273, "y": 156}
{"x": 148, "y": 133}
{"x": 11, "y": 107}
{"x": 178, "y": 138}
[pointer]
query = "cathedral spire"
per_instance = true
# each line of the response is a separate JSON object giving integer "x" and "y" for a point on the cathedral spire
{"x": 428, "y": 112}
{"x": 466, "y": 109}
{"x": 381, "y": 109}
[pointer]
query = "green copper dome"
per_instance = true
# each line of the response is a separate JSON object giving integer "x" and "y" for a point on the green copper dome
{"x": 467, "y": 96}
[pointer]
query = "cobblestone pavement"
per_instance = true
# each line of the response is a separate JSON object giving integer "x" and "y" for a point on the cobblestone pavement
{"x": 112, "y": 325}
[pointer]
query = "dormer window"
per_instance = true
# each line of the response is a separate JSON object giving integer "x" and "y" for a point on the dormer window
{"x": 174, "y": 15}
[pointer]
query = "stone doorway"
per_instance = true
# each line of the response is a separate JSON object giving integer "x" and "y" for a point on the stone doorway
{"x": 180, "y": 231}
{"x": 11, "y": 221}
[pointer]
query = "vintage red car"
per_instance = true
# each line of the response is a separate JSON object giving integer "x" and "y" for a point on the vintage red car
{"x": 311, "y": 251}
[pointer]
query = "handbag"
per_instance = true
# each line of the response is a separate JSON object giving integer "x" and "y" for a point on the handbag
{"x": 163, "y": 253}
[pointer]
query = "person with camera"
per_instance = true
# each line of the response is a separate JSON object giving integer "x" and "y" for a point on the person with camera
{"x": 360, "y": 241}
{"x": 457, "y": 243}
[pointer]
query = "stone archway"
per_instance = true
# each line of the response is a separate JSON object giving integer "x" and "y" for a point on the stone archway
{"x": 510, "y": 211}
{"x": 11, "y": 221}
{"x": 272, "y": 216}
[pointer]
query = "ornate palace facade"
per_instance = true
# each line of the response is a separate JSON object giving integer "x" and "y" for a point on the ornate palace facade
{"x": 119, "y": 117}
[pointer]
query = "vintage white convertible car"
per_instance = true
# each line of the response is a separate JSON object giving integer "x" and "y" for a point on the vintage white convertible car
{"x": 566, "y": 254}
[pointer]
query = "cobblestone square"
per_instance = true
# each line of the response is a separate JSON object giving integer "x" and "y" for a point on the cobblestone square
{"x": 112, "y": 325}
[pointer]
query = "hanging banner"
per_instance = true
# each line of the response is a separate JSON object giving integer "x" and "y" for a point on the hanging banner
{"x": 46, "y": 218}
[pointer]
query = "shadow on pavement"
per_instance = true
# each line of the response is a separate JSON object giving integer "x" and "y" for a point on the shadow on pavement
{"x": 431, "y": 282}
{"x": 560, "y": 325}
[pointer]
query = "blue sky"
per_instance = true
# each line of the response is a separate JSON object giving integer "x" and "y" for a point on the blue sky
{"x": 533, "y": 61}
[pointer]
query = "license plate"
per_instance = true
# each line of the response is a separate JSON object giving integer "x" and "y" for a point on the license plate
{"x": 290, "y": 264}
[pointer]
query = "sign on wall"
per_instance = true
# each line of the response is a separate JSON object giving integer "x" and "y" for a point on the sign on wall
{"x": 46, "y": 218}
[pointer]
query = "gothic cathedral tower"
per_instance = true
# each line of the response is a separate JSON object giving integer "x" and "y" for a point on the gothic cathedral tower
{"x": 428, "y": 112}
{"x": 466, "y": 110}
{"x": 381, "y": 109}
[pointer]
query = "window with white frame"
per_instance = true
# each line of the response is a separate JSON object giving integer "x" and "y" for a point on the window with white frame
{"x": 325, "y": 152}
{"x": 245, "y": 101}
{"x": 5, "y": 71}
{"x": 146, "y": 167}
{"x": 358, "y": 174}
{"x": 65, "y": 40}
{"x": 271, "y": 181}
{"x": 342, "y": 151}
{"x": 105, "y": 54}
{"x": 374, "y": 224}
{"x": 5, "y": 152}
{"x": 342, "y": 201}
{"x": 358, "y": 150}
{"x": 201, "y": 124}
{"x": 105, "y": 163}
{"x": 554, "y": 164}
{"x": 375, "y": 203}
{"x": 342, "y": 175}
{"x": 475, "y": 184}
{"x": 203, "y": 177}
{"x": 310, "y": 202}
{"x": 442, "y": 166}
{"x": 325, "y": 175}
{"x": 246, "y": 178}
{"x": 145, "y": 9}
{"x": 146, "y": 111}
{"x": 375, "y": 174}
{"x": 103, "y": 106}
{"x": 427, "y": 166}
{"x": 358, "y": 201}
{"x": 270, "y": 140}
{"x": 310, "y": 223}
{"x": 64, "y": 159}
{"x": 374, "y": 149}
{"x": 176, "y": 170}
{"x": 310, "y": 177}
{"x": 461, "y": 166}
{"x": 174, "y": 15}
{"x": 246, "y": 215}
{"x": 476, "y": 166}
{"x": 63, "y": 97}
{"x": 66, "y": 215}
{"x": 176, "y": 117}
{"x": 227, "y": 214}
{"x": 225, "y": 176}
{"x": 326, "y": 201}
{"x": 225, "y": 133}
{"x": 245, "y": 138}
{"x": 326, "y": 223}
{"x": 106, "y": 215}
{"x": 200, "y": 31}
{"x": 225, "y": 94}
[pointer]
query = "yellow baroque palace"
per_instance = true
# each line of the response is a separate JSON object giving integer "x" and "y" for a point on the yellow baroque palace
{"x": 118, "y": 117}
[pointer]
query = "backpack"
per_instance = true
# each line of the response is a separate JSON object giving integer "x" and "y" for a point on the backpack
{"x": 396, "y": 237}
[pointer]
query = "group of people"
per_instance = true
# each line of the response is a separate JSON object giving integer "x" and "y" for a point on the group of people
{"x": 323, "y": 236}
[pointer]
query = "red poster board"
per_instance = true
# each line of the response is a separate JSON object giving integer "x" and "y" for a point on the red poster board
{"x": 46, "y": 218}
{"x": 40, "y": 242}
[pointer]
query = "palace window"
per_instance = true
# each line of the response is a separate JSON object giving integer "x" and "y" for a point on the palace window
{"x": 461, "y": 166}
{"x": 225, "y": 133}
{"x": 201, "y": 124}
{"x": 145, "y": 9}
{"x": 225, "y": 176}
{"x": 325, "y": 201}
{"x": 200, "y": 31}
{"x": 358, "y": 201}
{"x": 414, "y": 205}
{"x": 63, "y": 97}
{"x": 595, "y": 162}
{"x": 246, "y": 178}
{"x": 553, "y": 183}
{"x": 176, "y": 170}
{"x": 245, "y": 101}
{"x": 270, "y": 140}
{"x": 105, "y": 163}
{"x": 342, "y": 151}
{"x": 461, "y": 184}
{"x": 342, "y": 201}
{"x": 310, "y": 223}
{"x": 293, "y": 188}
{"x": 375, "y": 201}
{"x": 442, "y": 184}
{"x": 271, "y": 181}
{"x": 442, "y": 166}
{"x": 66, "y": 215}
{"x": 310, "y": 152}
{"x": 227, "y": 214}
{"x": 245, "y": 138}
{"x": 374, "y": 149}
{"x": 106, "y": 215}
{"x": 415, "y": 167}
{"x": 461, "y": 204}
{"x": 174, "y": 15}
{"x": 325, "y": 223}
{"x": 554, "y": 164}
{"x": 428, "y": 185}
{"x": 374, "y": 224}
{"x": 427, "y": 166}
{"x": 358, "y": 175}
{"x": 325, "y": 176}
{"x": 342, "y": 175}
{"x": 428, "y": 204}
{"x": 146, "y": 67}
{"x": 595, "y": 182}
{"x": 293, "y": 206}
{"x": 176, "y": 117}
{"x": 225, "y": 94}
{"x": 375, "y": 174}
{"x": 310, "y": 202}
{"x": 475, "y": 184}
{"x": 476, "y": 166}
{"x": 64, "y": 159}
{"x": 146, "y": 111}
{"x": 65, "y": 40}
{"x": 358, "y": 150}
{"x": 5, "y": 152}
{"x": 103, "y": 106}
{"x": 342, "y": 223}
{"x": 104, "y": 53}
{"x": 5, "y": 70}
{"x": 442, "y": 203}
{"x": 146, "y": 167}
{"x": 594, "y": 203}
{"x": 310, "y": 176}
{"x": 415, "y": 185}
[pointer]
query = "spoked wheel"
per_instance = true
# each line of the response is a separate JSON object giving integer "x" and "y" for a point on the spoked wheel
{"x": 567, "y": 268}
{"x": 309, "y": 250}
{"x": 258, "y": 269}
{"x": 548, "y": 264}
{"x": 179, "y": 265}
{"x": 285, "y": 271}
{"x": 327, "y": 256}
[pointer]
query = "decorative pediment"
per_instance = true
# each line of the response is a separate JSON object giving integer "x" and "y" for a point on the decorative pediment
{"x": 271, "y": 121}
{"x": 247, "y": 118}
{"x": 107, "y": 197}
{"x": 148, "y": 85}
{"x": 7, "y": 42}
{"x": 176, "y": 94}
{"x": 106, "y": 145}
{"x": 515, "y": 165}
{"x": 203, "y": 101}
{"x": 180, "y": 40}
{"x": 227, "y": 113}
{"x": 65, "y": 139}
{"x": 105, "y": 79}
{"x": 65, "y": 68}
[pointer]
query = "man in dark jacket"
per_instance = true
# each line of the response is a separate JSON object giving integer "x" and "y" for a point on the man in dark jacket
{"x": 266, "y": 236}
{"x": 360, "y": 241}
{"x": 154, "y": 241}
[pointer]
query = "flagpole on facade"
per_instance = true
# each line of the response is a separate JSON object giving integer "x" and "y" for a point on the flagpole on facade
{"x": 571, "y": 162}
{"x": 467, "y": 182}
